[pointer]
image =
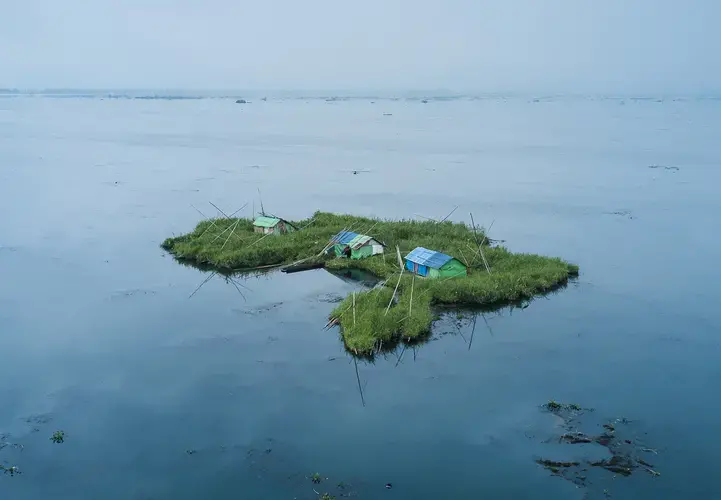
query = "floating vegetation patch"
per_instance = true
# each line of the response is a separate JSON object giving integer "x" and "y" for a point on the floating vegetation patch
{"x": 331, "y": 298}
{"x": 400, "y": 309}
{"x": 278, "y": 466}
{"x": 260, "y": 309}
{"x": 664, "y": 167}
{"x": 58, "y": 437}
{"x": 611, "y": 446}
{"x": 10, "y": 470}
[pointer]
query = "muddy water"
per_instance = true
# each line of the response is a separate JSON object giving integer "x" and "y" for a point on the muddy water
{"x": 227, "y": 396}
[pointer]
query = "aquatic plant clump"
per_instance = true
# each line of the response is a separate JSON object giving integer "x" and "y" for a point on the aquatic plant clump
{"x": 401, "y": 308}
{"x": 58, "y": 437}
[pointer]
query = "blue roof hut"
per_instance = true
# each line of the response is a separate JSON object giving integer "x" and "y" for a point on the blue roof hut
{"x": 432, "y": 264}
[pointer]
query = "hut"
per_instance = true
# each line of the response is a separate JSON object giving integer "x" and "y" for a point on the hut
{"x": 364, "y": 246}
{"x": 272, "y": 225}
{"x": 354, "y": 245}
{"x": 432, "y": 264}
{"x": 340, "y": 242}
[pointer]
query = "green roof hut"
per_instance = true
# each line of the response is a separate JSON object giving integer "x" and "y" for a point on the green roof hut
{"x": 363, "y": 246}
{"x": 354, "y": 245}
{"x": 432, "y": 264}
{"x": 340, "y": 242}
{"x": 272, "y": 225}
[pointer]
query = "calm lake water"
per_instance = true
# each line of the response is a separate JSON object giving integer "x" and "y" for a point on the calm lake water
{"x": 162, "y": 396}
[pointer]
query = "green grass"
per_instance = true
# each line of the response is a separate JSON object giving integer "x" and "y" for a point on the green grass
{"x": 241, "y": 248}
{"x": 513, "y": 277}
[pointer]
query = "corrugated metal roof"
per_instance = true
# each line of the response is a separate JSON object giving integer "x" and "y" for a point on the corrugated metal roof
{"x": 344, "y": 237}
{"x": 359, "y": 241}
{"x": 430, "y": 258}
{"x": 263, "y": 221}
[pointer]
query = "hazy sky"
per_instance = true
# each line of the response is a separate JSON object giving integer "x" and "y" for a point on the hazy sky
{"x": 483, "y": 45}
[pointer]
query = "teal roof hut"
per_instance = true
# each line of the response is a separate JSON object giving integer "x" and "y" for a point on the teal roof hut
{"x": 432, "y": 264}
{"x": 363, "y": 246}
{"x": 272, "y": 225}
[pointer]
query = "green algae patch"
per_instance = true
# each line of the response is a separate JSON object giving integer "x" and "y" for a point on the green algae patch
{"x": 401, "y": 307}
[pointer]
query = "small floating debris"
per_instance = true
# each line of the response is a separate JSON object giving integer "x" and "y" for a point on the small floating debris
{"x": 664, "y": 167}
{"x": 119, "y": 294}
{"x": 331, "y": 298}
{"x": 622, "y": 213}
{"x": 260, "y": 309}
{"x": 241, "y": 101}
{"x": 387, "y": 114}
{"x": 316, "y": 478}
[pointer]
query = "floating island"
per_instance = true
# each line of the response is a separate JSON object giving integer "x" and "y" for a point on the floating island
{"x": 421, "y": 265}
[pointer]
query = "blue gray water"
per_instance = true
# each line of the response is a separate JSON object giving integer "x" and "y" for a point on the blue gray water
{"x": 218, "y": 396}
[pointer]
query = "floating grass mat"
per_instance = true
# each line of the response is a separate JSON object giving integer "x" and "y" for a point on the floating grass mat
{"x": 381, "y": 316}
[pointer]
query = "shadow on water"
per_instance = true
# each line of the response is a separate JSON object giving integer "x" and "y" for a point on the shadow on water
{"x": 225, "y": 272}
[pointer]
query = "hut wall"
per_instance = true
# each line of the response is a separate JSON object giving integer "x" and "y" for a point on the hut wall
{"x": 362, "y": 252}
{"x": 337, "y": 249}
{"x": 453, "y": 267}
{"x": 419, "y": 269}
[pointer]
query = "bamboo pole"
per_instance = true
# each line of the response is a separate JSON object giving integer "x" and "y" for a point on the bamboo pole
{"x": 222, "y": 232}
{"x": 394, "y": 293}
{"x": 464, "y": 258}
{"x": 357, "y": 376}
{"x": 212, "y": 222}
{"x": 480, "y": 245}
{"x": 470, "y": 342}
{"x": 203, "y": 283}
{"x": 446, "y": 217}
{"x": 232, "y": 232}
{"x": 410, "y": 306}
{"x": 219, "y": 210}
{"x": 262, "y": 209}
